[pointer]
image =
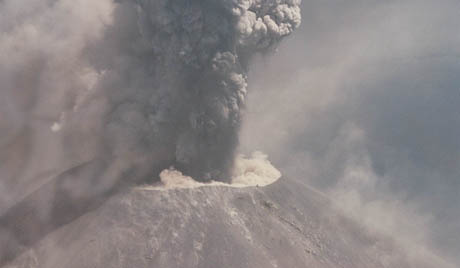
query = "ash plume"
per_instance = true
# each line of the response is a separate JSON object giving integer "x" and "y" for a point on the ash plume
{"x": 118, "y": 91}
{"x": 162, "y": 81}
{"x": 176, "y": 94}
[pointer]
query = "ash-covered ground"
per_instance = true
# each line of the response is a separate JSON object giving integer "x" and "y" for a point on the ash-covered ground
{"x": 284, "y": 224}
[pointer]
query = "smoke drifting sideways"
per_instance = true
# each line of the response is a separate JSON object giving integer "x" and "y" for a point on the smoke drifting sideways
{"x": 141, "y": 84}
{"x": 373, "y": 115}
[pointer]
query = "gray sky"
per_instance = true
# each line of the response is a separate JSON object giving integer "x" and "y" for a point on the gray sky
{"x": 362, "y": 102}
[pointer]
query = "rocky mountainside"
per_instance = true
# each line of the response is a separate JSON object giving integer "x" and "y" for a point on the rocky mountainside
{"x": 281, "y": 225}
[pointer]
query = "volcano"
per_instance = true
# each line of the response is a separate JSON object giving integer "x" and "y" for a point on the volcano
{"x": 285, "y": 224}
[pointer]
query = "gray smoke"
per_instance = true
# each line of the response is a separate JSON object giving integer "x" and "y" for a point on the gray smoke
{"x": 373, "y": 115}
{"x": 177, "y": 94}
{"x": 97, "y": 94}
{"x": 154, "y": 83}
{"x": 198, "y": 57}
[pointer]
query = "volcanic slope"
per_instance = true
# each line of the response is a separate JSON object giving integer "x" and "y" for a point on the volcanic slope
{"x": 285, "y": 224}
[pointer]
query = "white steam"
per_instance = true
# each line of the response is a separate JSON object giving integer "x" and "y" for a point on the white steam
{"x": 255, "y": 171}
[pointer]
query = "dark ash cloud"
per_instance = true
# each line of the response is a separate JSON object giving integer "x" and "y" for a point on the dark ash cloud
{"x": 107, "y": 93}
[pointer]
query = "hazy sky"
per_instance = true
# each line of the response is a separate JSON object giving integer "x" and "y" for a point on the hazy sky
{"x": 362, "y": 102}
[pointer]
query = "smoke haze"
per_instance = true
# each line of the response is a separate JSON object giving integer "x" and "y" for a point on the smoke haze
{"x": 365, "y": 107}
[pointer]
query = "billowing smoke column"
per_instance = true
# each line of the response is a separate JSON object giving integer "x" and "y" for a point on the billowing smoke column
{"x": 134, "y": 85}
{"x": 119, "y": 90}
{"x": 144, "y": 83}
{"x": 208, "y": 44}
{"x": 181, "y": 101}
